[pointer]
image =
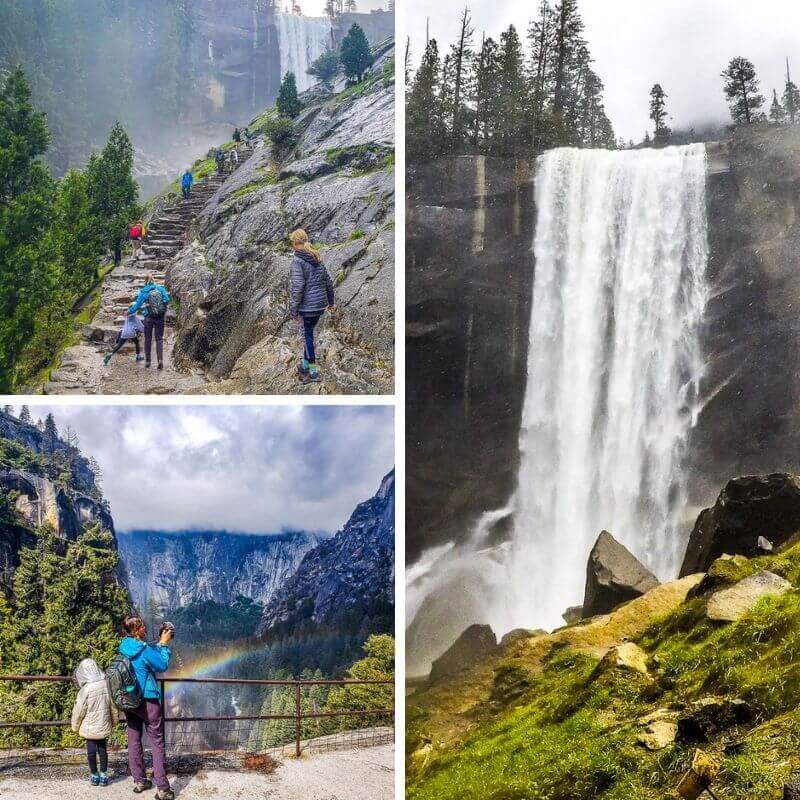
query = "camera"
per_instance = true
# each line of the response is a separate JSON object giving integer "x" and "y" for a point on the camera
{"x": 167, "y": 626}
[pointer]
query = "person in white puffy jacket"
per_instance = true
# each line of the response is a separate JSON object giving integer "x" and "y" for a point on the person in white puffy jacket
{"x": 94, "y": 717}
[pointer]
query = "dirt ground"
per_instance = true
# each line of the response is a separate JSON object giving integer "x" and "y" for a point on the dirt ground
{"x": 359, "y": 774}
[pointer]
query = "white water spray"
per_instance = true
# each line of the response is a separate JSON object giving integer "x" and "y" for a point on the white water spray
{"x": 301, "y": 40}
{"x": 613, "y": 368}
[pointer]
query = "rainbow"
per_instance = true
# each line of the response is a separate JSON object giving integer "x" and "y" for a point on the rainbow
{"x": 209, "y": 666}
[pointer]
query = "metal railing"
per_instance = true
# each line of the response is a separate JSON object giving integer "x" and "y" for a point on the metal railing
{"x": 299, "y": 715}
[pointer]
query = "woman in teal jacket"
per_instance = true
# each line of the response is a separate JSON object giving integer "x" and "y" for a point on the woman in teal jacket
{"x": 147, "y": 661}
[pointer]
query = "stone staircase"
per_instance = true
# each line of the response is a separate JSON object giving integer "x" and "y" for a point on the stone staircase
{"x": 81, "y": 370}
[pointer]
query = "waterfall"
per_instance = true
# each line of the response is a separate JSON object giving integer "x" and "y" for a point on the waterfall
{"x": 613, "y": 368}
{"x": 301, "y": 40}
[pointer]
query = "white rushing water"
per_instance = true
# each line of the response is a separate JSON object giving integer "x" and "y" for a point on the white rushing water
{"x": 301, "y": 40}
{"x": 613, "y": 368}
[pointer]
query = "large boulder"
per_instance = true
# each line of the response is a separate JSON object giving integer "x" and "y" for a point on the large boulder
{"x": 613, "y": 576}
{"x": 747, "y": 508}
{"x": 729, "y": 605}
{"x": 475, "y": 643}
{"x": 706, "y": 718}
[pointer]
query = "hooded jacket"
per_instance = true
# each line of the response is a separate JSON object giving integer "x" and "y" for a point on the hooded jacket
{"x": 187, "y": 179}
{"x": 146, "y": 659}
{"x": 311, "y": 286}
{"x": 93, "y": 715}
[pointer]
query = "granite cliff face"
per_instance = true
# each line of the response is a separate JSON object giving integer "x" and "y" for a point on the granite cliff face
{"x": 37, "y": 492}
{"x": 347, "y": 583}
{"x": 170, "y": 570}
{"x": 469, "y": 308}
{"x": 337, "y": 182}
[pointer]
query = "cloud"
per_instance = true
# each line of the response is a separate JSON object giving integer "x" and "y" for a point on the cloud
{"x": 254, "y": 469}
{"x": 684, "y": 45}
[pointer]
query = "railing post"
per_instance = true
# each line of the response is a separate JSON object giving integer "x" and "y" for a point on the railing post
{"x": 297, "y": 725}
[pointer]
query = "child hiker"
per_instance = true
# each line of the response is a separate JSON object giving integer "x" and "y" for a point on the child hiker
{"x": 94, "y": 717}
{"x": 311, "y": 294}
{"x": 131, "y": 329}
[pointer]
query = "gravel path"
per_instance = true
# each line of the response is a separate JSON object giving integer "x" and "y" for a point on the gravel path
{"x": 362, "y": 774}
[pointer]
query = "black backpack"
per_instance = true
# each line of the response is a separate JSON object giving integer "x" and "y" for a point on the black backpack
{"x": 156, "y": 305}
{"x": 123, "y": 687}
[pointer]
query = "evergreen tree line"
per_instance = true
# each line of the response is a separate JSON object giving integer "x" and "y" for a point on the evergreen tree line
{"x": 91, "y": 62}
{"x": 503, "y": 98}
{"x": 64, "y": 605}
{"x": 53, "y": 233}
{"x": 742, "y": 89}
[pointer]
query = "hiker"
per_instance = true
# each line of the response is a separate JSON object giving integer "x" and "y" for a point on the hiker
{"x": 154, "y": 298}
{"x": 237, "y": 136}
{"x": 247, "y": 135}
{"x": 219, "y": 157}
{"x": 136, "y": 233}
{"x": 311, "y": 294}
{"x": 233, "y": 159}
{"x": 147, "y": 660}
{"x": 186, "y": 184}
{"x": 131, "y": 328}
{"x": 94, "y": 717}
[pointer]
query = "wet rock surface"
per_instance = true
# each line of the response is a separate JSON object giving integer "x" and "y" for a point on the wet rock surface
{"x": 747, "y": 509}
{"x": 731, "y": 604}
{"x": 613, "y": 576}
{"x": 473, "y": 646}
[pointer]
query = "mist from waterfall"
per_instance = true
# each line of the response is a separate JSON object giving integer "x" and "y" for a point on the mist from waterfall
{"x": 613, "y": 369}
{"x": 301, "y": 40}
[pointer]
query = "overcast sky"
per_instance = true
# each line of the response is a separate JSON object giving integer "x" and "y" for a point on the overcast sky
{"x": 682, "y": 44}
{"x": 255, "y": 469}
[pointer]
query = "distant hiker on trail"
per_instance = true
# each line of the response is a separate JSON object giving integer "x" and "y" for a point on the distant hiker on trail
{"x": 311, "y": 294}
{"x": 155, "y": 299}
{"x": 233, "y": 159}
{"x": 147, "y": 660}
{"x": 219, "y": 157}
{"x": 237, "y": 136}
{"x": 131, "y": 329}
{"x": 186, "y": 184}
{"x": 94, "y": 717}
{"x": 136, "y": 233}
{"x": 247, "y": 135}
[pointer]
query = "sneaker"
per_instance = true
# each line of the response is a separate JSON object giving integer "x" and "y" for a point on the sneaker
{"x": 95, "y": 780}
{"x": 302, "y": 368}
{"x": 140, "y": 358}
{"x": 160, "y": 365}
{"x": 103, "y": 779}
{"x": 165, "y": 794}
{"x": 310, "y": 377}
{"x": 147, "y": 365}
{"x": 106, "y": 360}
{"x": 138, "y": 788}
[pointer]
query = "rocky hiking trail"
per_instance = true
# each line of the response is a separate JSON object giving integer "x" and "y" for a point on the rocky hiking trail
{"x": 81, "y": 369}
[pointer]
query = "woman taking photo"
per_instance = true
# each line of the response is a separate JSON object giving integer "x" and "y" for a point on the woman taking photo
{"x": 147, "y": 660}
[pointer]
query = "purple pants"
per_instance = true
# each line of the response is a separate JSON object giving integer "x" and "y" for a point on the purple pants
{"x": 154, "y": 326}
{"x": 147, "y": 718}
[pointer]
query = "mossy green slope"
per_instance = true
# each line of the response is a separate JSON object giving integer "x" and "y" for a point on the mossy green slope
{"x": 543, "y": 721}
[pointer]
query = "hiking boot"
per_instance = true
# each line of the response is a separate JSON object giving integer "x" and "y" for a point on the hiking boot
{"x": 140, "y": 358}
{"x": 160, "y": 365}
{"x": 310, "y": 377}
{"x": 95, "y": 780}
{"x": 165, "y": 794}
{"x": 302, "y": 368}
{"x": 147, "y": 365}
{"x": 106, "y": 360}
{"x": 138, "y": 788}
{"x": 103, "y": 779}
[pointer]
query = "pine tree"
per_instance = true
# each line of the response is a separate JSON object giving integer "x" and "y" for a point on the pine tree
{"x": 26, "y": 197}
{"x": 325, "y": 67}
{"x": 510, "y": 127}
{"x": 113, "y": 191}
{"x": 569, "y": 27}
{"x": 658, "y": 113}
{"x": 355, "y": 54}
{"x": 776, "y": 111}
{"x": 486, "y": 99}
{"x": 742, "y": 90}
{"x": 461, "y": 56}
{"x": 424, "y": 121}
{"x": 50, "y": 433}
{"x": 288, "y": 104}
{"x": 542, "y": 39}
{"x": 791, "y": 97}
{"x": 25, "y": 416}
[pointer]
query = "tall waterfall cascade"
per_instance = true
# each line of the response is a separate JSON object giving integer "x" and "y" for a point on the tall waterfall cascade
{"x": 301, "y": 40}
{"x": 614, "y": 364}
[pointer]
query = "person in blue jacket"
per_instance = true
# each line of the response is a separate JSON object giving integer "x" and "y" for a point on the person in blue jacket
{"x": 153, "y": 298}
{"x": 147, "y": 661}
{"x": 186, "y": 184}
